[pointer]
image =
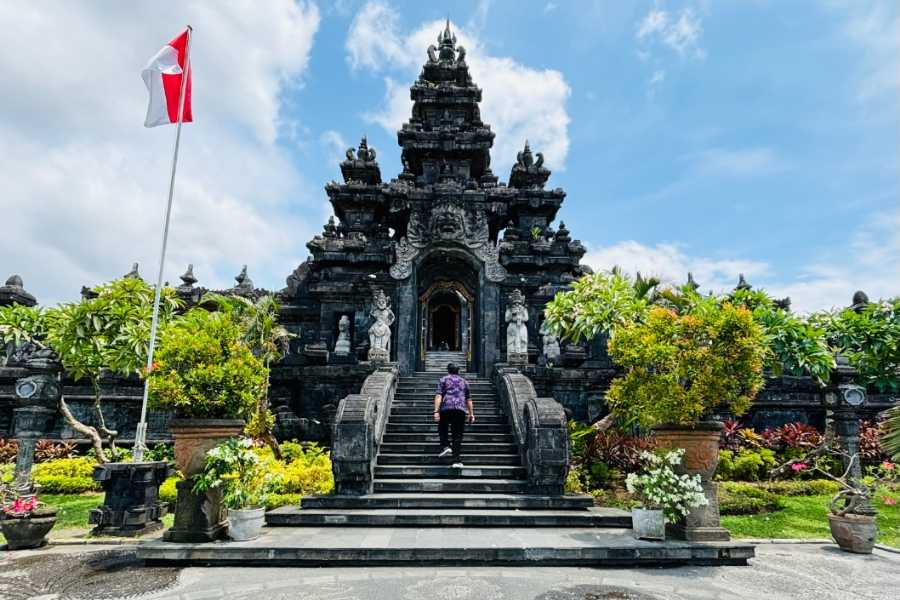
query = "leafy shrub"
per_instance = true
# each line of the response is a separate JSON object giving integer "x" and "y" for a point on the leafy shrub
{"x": 574, "y": 483}
{"x": 116, "y": 454}
{"x": 745, "y": 464}
{"x": 168, "y": 492}
{"x": 66, "y": 476}
{"x": 46, "y": 450}
{"x": 8, "y": 451}
{"x": 811, "y": 487}
{"x": 678, "y": 368}
{"x": 160, "y": 451}
{"x": 659, "y": 487}
{"x": 306, "y": 472}
{"x": 870, "y": 451}
{"x": 279, "y": 500}
{"x": 737, "y": 498}
{"x": 604, "y": 455}
{"x": 204, "y": 369}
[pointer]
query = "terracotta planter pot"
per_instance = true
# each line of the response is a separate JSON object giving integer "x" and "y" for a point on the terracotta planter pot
{"x": 30, "y": 532}
{"x": 194, "y": 437}
{"x": 853, "y": 533}
{"x": 700, "y": 444}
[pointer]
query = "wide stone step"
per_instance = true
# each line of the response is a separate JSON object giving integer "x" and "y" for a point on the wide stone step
{"x": 426, "y": 427}
{"x": 448, "y": 501}
{"x": 423, "y": 417}
{"x": 481, "y": 438}
{"x": 449, "y": 472}
{"x": 433, "y": 459}
{"x": 293, "y": 516}
{"x": 468, "y": 448}
{"x": 432, "y": 546}
{"x": 440, "y": 486}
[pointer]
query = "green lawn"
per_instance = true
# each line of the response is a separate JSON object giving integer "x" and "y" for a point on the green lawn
{"x": 807, "y": 517}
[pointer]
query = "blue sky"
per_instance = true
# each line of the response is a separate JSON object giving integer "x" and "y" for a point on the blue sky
{"x": 718, "y": 137}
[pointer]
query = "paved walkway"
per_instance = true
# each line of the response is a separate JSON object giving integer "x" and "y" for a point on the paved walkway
{"x": 795, "y": 571}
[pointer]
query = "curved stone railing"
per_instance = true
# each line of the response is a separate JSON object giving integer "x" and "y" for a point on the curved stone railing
{"x": 541, "y": 432}
{"x": 358, "y": 428}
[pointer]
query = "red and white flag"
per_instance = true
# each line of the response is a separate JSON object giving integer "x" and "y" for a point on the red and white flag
{"x": 163, "y": 78}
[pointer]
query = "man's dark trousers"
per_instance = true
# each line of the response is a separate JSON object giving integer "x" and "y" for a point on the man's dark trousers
{"x": 452, "y": 424}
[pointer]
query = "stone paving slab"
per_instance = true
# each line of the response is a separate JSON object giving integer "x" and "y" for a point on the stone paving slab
{"x": 343, "y": 546}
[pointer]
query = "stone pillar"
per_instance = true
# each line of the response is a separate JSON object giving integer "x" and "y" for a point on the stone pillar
{"x": 37, "y": 399}
{"x": 131, "y": 506}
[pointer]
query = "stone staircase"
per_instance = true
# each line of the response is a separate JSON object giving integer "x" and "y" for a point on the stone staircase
{"x": 436, "y": 361}
{"x": 413, "y": 487}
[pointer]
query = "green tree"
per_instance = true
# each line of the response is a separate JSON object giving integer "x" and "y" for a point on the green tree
{"x": 106, "y": 333}
{"x": 268, "y": 340}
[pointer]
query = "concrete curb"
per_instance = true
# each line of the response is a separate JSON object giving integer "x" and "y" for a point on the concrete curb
{"x": 881, "y": 547}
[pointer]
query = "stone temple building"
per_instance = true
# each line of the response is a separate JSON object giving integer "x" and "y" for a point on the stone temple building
{"x": 417, "y": 270}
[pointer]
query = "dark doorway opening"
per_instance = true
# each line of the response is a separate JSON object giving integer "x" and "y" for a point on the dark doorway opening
{"x": 445, "y": 323}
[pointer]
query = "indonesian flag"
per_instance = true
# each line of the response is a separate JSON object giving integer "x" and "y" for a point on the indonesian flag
{"x": 163, "y": 77}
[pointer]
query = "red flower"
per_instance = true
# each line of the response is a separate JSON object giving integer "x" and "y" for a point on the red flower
{"x": 887, "y": 466}
{"x": 889, "y": 501}
{"x": 797, "y": 467}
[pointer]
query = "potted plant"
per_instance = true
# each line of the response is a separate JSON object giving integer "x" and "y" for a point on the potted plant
{"x": 665, "y": 495}
{"x": 208, "y": 376}
{"x": 24, "y": 521}
{"x": 245, "y": 481}
{"x": 679, "y": 370}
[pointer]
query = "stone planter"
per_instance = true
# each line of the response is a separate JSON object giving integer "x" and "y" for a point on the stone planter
{"x": 648, "y": 524}
{"x": 23, "y": 533}
{"x": 198, "y": 517}
{"x": 245, "y": 524}
{"x": 701, "y": 457}
{"x": 853, "y": 533}
{"x": 131, "y": 505}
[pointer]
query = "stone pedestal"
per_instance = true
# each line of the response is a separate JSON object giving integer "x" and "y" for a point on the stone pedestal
{"x": 131, "y": 506}
{"x": 198, "y": 517}
{"x": 701, "y": 457}
{"x": 517, "y": 359}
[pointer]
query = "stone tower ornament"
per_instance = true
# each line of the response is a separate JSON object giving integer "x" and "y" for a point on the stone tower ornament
{"x": 516, "y": 329}
{"x": 342, "y": 346}
{"x": 380, "y": 331}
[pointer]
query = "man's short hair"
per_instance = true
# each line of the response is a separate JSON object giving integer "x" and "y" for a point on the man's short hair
{"x": 452, "y": 369}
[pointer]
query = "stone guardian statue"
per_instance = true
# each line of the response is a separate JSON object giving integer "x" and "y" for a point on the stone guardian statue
{"x": 342, "y": 346}
{"x": 551, "y": 350}
{"x": 380, "y": 330}
{"x": 516, "y": 330}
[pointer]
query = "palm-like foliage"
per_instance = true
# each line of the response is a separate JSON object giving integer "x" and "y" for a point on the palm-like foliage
{"x": 890, "y": 433}
{"x": 267, "y": 339}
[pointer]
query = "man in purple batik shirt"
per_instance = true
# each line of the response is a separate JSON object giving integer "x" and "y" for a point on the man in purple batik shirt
{"x": 452, "y": 401}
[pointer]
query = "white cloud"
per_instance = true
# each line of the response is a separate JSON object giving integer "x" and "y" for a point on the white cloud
{"x": 681, "y": 34}
{"x": 875, "y": 27}
{"x": 85, "y": 184}
{"x": 550, "y": 7}
{"x": 519, "y": 101}
{"x": 671, "y": 263}
{"x": 870, "y": 261}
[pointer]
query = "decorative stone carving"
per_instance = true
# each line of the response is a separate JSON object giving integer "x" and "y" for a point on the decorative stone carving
{"x": 380, "y": 330}
{"x": 552, "y": 353}
{"x": 133, "y": 273}
{"x": 342, "y": 346}
{"x": 691, "y": 283}
{"x": 13, "y": 292}
{"x": 361, "y": 168}
{"x": 742, "y": 283}
{"x": 187, "y": 281}
{"x": 516, "y": 329}
{"x": 447, "y": 221}
{"x": 244, "y": 283}
{"x": 527, "y": 172}
{"x": 860, "y": 300}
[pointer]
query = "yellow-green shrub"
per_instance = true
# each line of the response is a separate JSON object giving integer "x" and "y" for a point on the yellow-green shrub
{"x": 167, "y": 491}
{"x": 307, "y": 472}
{"x": 745, "y": 464}
{"x": 66, "y": 476}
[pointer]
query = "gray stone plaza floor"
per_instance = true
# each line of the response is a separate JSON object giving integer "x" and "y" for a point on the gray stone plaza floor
{"x": 782, "y": 570}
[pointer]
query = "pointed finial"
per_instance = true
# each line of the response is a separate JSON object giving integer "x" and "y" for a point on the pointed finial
{"x": 133, "y": 273}
{"x": 188, "y": 278}
{"x": 243, "y": 280}
{"x": 742, "y": 283}
{"x": 691, "y": 283}
{"x": 15, "y": 281}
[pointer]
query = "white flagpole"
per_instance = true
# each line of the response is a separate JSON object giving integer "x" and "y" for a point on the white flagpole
{"x": 140, "y": 436}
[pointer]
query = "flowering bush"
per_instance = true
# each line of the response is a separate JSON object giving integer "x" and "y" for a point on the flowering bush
{"x": 21, "y": 507}
{"x": 245, "y": 480}
{"x": 204, "y": 369}
{"x": 678, "y": 368}
{"x": 659, "y": 487}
